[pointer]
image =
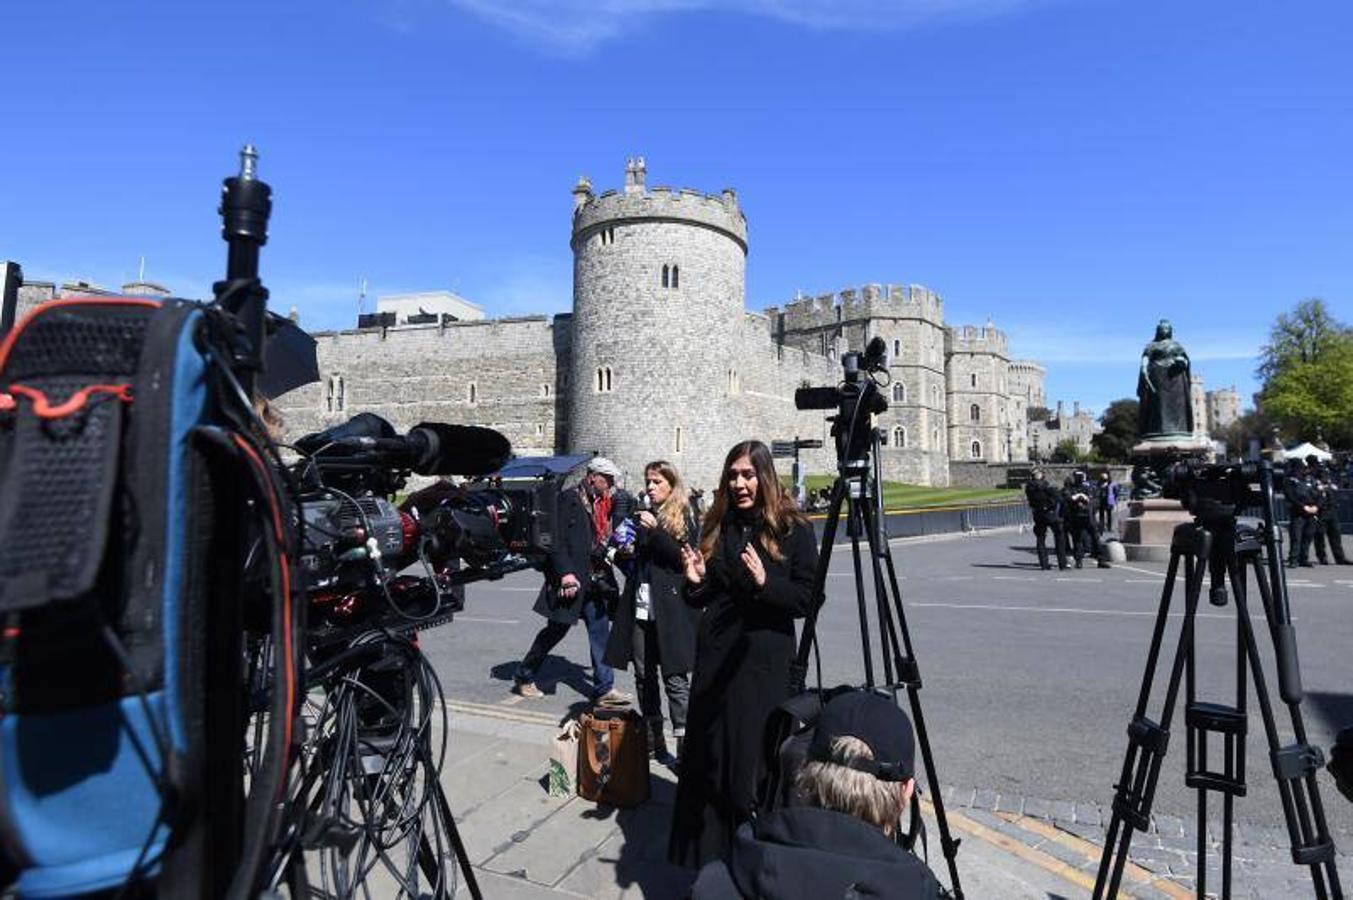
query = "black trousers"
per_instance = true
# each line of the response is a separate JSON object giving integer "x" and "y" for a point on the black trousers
{"x": 1104, "y": 517}
{"x": 1300, "y": 533}
{"x": 1327, "y": 529}
{"x": 1084, "y": 541}
{"x": 1058, "y": 542}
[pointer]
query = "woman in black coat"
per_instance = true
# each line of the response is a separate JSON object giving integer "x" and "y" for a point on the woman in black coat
{"x": 652, "y": 624}
{"x": 753, "y": 574}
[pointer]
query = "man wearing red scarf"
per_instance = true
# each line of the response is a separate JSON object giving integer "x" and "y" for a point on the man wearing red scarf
{"x": 579, "y": 582}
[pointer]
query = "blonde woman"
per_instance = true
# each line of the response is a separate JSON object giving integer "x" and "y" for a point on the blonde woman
{"x": 753, "y": 574}
{"x": 652, "y": 625}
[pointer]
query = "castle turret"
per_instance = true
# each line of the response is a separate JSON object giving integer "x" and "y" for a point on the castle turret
{"x": 658, "y": 300}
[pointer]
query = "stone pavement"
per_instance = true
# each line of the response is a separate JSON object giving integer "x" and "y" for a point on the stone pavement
{"x": 526, "y": 844}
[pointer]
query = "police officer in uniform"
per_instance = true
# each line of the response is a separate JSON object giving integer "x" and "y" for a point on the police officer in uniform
{"x": 1045, "y": 502}
{"x": 1302, "y": 509}
{"x": 1081, "y": 500}
{"x": 1327, "y": 517}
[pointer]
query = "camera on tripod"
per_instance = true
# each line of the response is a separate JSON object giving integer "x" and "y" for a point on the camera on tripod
{"x": 1214, "y": 490}
{"x": 855, "y": 399}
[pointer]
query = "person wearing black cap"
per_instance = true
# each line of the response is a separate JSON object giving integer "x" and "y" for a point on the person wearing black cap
{"x": 1327, "y": 516}
{"x": 840, "y": 840}
{"x": 1045, "y": 504}
{"x": 1302, "y": 508}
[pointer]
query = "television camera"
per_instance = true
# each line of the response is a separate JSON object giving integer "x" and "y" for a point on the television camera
{"x": 359, "y": 543}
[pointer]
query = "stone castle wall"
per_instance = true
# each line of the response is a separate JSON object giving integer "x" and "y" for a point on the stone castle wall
{"x": 500, "y": 373}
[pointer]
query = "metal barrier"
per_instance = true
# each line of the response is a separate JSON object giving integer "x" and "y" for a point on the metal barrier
{"x": 940, "y": 519}
{"x": 980, "y": 516}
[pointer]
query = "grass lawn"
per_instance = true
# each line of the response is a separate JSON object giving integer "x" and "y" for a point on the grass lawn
{"x": 897, "y": 495}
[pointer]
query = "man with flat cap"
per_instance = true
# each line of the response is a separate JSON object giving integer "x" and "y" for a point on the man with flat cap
{"x": 840, "y": 839}
{"x": 579, "y": 581}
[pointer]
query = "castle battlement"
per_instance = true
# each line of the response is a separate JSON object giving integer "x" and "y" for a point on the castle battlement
{"x": 637, "y": 203}
{"x": 871, "y": 301}
{"x": 972, "y": 339}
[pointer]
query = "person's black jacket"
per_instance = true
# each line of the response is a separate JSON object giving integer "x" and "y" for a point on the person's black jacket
{"x": 1328, "y": 500}
{"x": 1078, "y": 510}
{"x": 744, "y": 649}
{"x": 815, "y": 854}
{"x": 572, "y": 554}
{"x": 1045, "y": 502}
{"x": 1299, "y": 493}
{"x": 658, "y": 554}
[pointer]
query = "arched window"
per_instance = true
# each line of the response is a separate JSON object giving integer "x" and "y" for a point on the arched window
{"x": 607, "y": 372}
{"x": 976, "y": 449}
{"x": 935, "y": 394}
{"x": 676, "y": 276}
{"x": 734, "y": 386}
{"x": 897, "y": 349}
{"x": 680, "y": 439}
{"x": 975, "y": 413}
{"x": 544, "y": 390}
{"x": 601, "y": 383}
{"x": 899, "y": 436}
{"x": 540, "y": 431}
{"x": 899, "y": 392}
{"x": 973, "y": 376}
{"x": 472, "y": 394}
{"x": 665, "y": 277}
{"x": 604, "y": 380}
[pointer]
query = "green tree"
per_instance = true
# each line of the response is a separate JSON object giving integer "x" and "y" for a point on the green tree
{"x": 1066, "y": 451}
{"x": 1038, "y": 413}
{"x": 1300, "y": 336}
{"x": 1115, "y": 442}
{"x": 1307, "y": 372}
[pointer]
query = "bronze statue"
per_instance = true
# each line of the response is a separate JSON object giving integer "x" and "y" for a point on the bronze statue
{"x": 1163, "y": 388}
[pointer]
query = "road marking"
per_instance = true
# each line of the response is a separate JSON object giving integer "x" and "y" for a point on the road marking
{"x": 485, "y": 621}
{"x": 992, "y": 607}
{"x": 1139, "y": 569}
{"x": 1078, "y": 579}
{"x": 1013, "y": 578}
{"x": 1092, "y": 852}
{"x": 1140, "y": 580}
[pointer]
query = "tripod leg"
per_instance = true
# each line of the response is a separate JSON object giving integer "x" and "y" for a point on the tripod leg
{"x": 1294, "y": 766}
{"x": 1148, "y": 740}
{"x": 857, "y": 517}
{"x": 893, "y": 617}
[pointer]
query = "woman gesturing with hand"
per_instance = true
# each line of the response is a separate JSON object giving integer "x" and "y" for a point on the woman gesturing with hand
{"x": 753, "y": 575}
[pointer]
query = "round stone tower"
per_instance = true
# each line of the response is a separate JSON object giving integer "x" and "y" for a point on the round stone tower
{"x": 659, "y": 278}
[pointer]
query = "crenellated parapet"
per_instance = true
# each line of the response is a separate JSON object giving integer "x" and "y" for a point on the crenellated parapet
{"x": 638, "y": 203}
{"x": 974, "y": 339}
{"x": 872, "y": 301}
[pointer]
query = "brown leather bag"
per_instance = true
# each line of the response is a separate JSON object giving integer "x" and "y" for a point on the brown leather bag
{"x": 613, "y": 764}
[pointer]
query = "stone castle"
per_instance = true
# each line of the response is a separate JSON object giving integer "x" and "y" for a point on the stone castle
{"x": 660, "y": 358}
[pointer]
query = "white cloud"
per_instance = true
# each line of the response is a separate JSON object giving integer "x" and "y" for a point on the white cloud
{"x": 576, "y": 27}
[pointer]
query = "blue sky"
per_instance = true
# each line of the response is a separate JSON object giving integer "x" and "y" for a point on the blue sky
{"x": 1073, "y": 169}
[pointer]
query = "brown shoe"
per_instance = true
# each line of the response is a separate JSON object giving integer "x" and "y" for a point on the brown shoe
{"x": 527, "y": 689}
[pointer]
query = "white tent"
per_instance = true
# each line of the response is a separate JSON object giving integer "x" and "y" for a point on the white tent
{"x": 1301, "y": 451}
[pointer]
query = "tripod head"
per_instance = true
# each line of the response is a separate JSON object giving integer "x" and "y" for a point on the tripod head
{"x": 246, "y": 204}
{"x": 855, "y": 399}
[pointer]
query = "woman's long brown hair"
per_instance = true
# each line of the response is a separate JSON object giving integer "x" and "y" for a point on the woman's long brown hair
{"x": 672, "y": 514}
{"x": 778, "y": 510}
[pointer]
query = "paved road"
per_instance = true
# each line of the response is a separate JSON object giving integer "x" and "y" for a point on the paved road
{"x": 1030, "y": 676}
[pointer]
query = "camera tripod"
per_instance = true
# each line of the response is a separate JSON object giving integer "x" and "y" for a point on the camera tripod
{"x": 1228, "y": 549}
{"x": 856, "y": 489}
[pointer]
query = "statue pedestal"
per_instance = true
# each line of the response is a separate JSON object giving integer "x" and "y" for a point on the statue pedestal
{"x": 1150, "y": 528}
{"x": 1187, "y": 446}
